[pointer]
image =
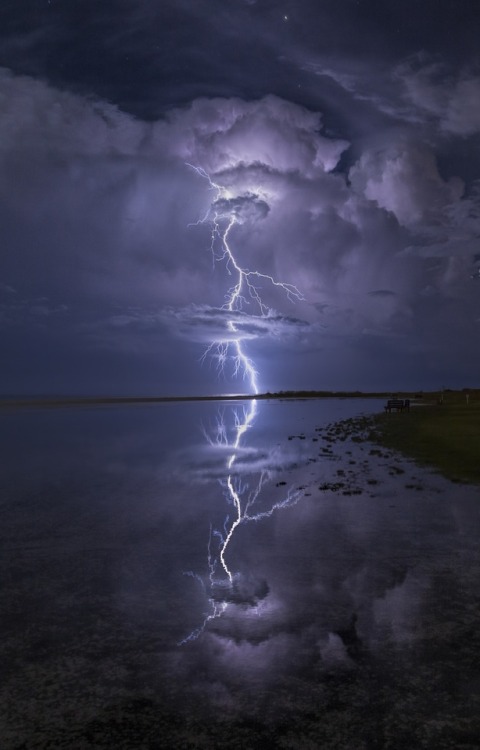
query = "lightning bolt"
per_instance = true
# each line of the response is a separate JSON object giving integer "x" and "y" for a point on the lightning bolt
{"x": 245, "y": 291}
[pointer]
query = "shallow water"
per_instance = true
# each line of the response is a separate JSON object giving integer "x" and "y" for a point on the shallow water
{"x": 242, "y": 575}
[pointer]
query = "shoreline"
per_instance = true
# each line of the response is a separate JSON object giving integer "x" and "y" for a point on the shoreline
{"x": 15, "y": 402}
{"x": 443, "y": 437}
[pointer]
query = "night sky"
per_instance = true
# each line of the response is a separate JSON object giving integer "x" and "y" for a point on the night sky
{"x": 343, "y": 136}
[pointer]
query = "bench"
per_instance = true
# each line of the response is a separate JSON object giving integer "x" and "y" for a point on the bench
{"x": 398, "y": 404}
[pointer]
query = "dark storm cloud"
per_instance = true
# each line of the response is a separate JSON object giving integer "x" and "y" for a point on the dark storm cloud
{"x": 179, "y": 50}
{"x": 348, "y": 160}
{"x": 182, "y": 50}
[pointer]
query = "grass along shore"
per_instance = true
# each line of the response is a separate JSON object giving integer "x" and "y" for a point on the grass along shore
{"x": 444, "y": 435}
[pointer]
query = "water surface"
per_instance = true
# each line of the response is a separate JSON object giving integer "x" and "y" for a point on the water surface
{"x": 205, "y": 575}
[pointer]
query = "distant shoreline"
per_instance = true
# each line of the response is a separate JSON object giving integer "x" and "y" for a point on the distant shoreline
{"x": 63, "y": 401}
{"x": 450, "y": 423}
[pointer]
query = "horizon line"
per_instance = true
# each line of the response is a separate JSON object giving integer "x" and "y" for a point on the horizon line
{"x": 78, "y": 400}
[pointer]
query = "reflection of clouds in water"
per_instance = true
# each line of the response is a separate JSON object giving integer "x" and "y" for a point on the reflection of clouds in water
{"x": 205, "y": 463}
{"x": 244, "y": 590}
{"x": 258, "y": 657}
{"x": 335, "y": 598}
{"x": 395, "y": 614}
{"x": 402, "y": 557}
{"x": 326, "y": 587}
{"x": 254, "y": 624}
{"x": 333, "y": 652}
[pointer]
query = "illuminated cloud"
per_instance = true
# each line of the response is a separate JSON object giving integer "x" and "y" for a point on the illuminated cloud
{"x": 219, "y": 134}
{"x": 404, "y": 179}
{"x": 111, "y": 227}
{"x": 247, "y": 207}
{"x": 204, "y": 324}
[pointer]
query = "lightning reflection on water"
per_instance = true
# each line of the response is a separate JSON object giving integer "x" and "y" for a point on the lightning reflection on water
{"x": 242, "y": 497}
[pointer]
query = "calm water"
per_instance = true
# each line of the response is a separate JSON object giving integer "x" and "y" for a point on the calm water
{"x": 205, "y": 576}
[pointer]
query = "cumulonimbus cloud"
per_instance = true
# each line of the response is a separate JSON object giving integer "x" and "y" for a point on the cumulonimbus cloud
{"x": 101, "y": 208}
{"x": 222, "y": 134}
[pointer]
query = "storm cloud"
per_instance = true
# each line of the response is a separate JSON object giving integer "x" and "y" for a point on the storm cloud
{"x": 364, "y": 203}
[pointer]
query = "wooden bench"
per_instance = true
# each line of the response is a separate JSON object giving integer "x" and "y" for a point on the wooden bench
{"x": 397, "y": 403}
